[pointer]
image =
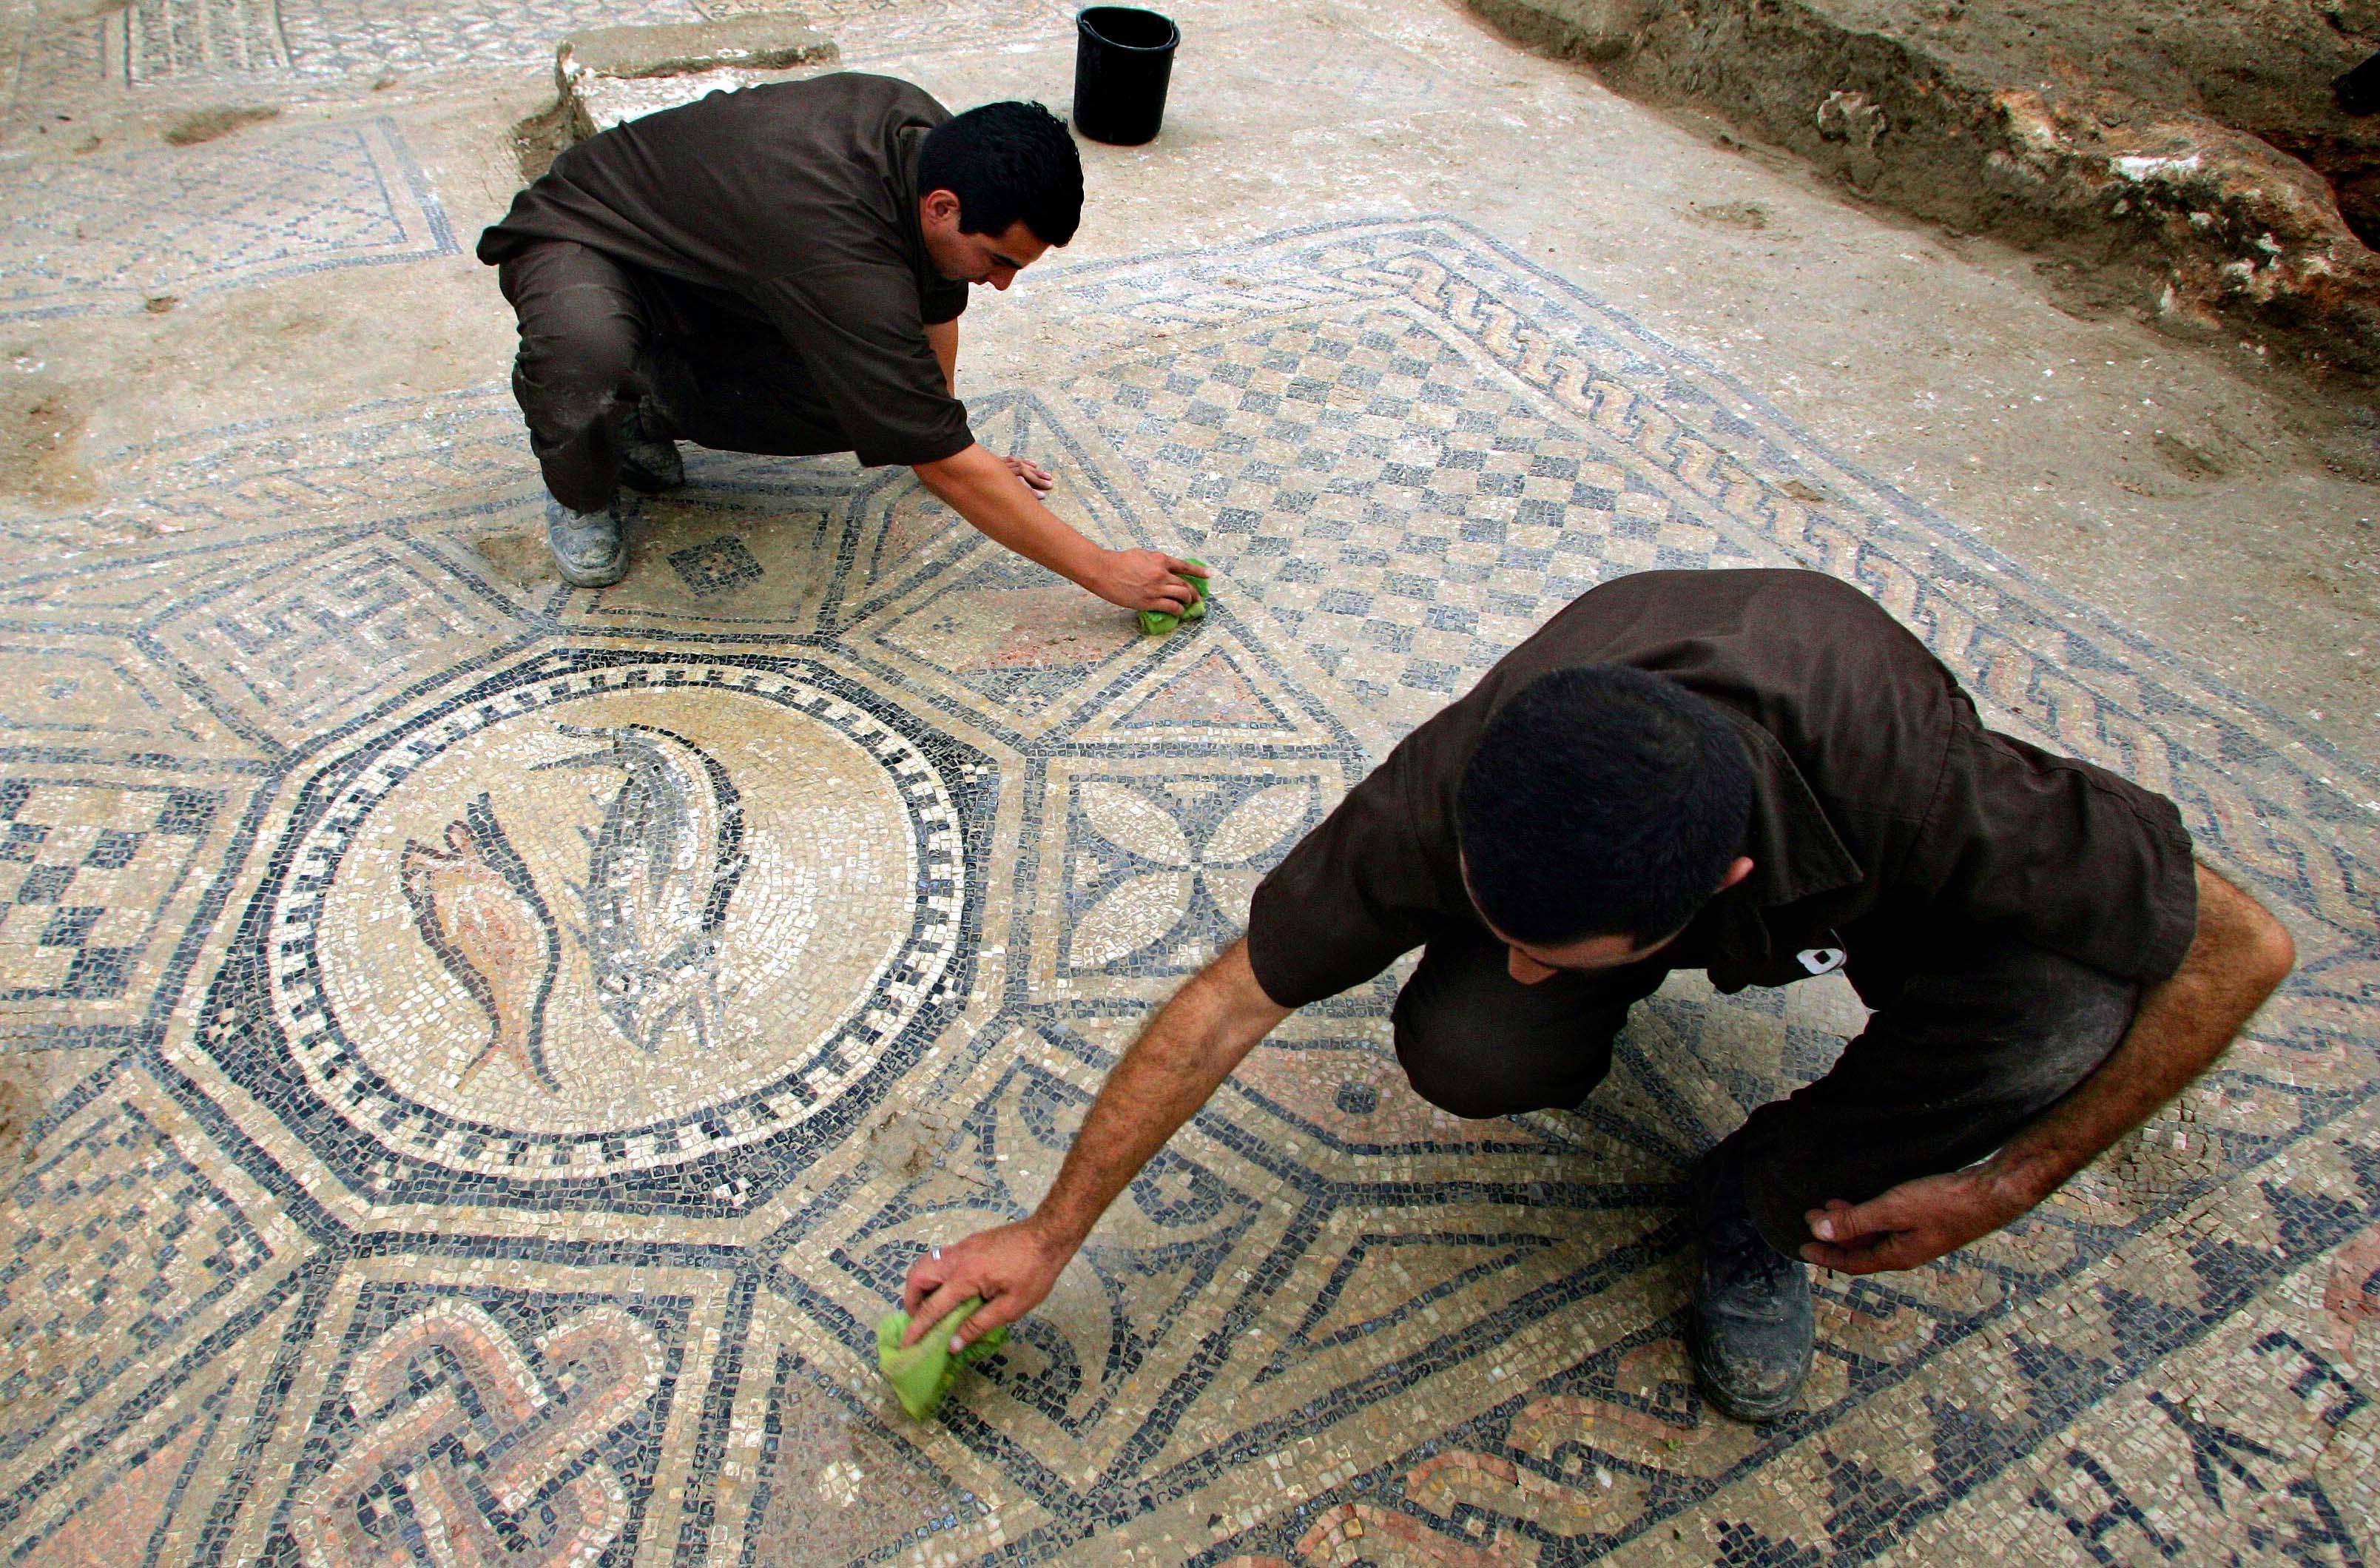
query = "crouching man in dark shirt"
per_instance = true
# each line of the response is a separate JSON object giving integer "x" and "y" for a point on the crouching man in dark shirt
{"x": 1760, "y": 775}
{"x": 782, "y": 269}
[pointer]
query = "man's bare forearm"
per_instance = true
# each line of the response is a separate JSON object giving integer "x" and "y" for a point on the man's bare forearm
{"x": 1170, "y": 1072}
{"x": 2239, "y": 956}
{"x": 1175, "y": 1068}
{"x": 977, "y": 486}
{"x": 998, "y": 499}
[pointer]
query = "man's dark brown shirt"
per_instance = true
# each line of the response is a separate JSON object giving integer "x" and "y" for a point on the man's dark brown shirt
{"x": 1887, "y": 820}
{"x": 793, "y": 206}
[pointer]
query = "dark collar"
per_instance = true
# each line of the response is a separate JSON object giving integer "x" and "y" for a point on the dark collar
{"x": 910, "y": 144}
{"x": 1796, "y": 854}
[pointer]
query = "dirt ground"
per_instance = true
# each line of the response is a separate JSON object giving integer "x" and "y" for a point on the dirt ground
{"x": 41, "y": 442}
{"x": 2264, "y": 66}
{"x": 2187, "y": 165}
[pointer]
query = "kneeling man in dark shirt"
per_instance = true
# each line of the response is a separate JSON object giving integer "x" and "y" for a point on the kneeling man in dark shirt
{"x": 782, "y": 269}
{"x": 1762, "y": 775}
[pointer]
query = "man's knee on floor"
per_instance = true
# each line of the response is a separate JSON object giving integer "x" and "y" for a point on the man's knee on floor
{"x": 2081, "y": 1016}
{"x": 1462, "y": 1071}
{"x": 2019, "y": 1028}
{"x": 568, "y": 377}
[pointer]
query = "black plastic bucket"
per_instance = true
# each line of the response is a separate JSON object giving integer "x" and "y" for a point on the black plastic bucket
{"x": 2359, "y": 91}
{"x": 1123, "y": 58}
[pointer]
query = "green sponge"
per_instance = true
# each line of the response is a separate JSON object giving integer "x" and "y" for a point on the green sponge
{"x": 1161, "y": 623}
{"x": 922, "y": 1375}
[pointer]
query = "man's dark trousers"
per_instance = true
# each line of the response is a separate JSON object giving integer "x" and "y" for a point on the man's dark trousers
{"x": 1959, "y": 1054}
{"x": 597, "y": 336}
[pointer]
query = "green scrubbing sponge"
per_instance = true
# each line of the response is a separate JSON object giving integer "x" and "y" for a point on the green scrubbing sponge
{"x": 922, "y": 1375}
{"x": 1159, "y": 623}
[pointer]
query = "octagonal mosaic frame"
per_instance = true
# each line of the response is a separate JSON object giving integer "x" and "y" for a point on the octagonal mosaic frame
{"x": 717, "y": 1161}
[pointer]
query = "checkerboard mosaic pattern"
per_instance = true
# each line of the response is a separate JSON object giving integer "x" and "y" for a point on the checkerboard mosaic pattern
{"x": 94, "y": 867}
{"x": 341, "y": 37}
{"x": 716, "y": 566}
{"x": 834, "y": 857}
{"x": 1448, "y": 510}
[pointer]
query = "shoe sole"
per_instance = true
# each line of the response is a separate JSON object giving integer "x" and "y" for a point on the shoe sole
{"x": 603, "y": 577}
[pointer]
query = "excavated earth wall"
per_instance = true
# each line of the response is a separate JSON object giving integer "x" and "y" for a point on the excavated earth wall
{"x": 2188, "y": 157}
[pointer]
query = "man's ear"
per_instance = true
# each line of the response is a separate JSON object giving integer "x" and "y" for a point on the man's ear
{"x": 940, "y": 208}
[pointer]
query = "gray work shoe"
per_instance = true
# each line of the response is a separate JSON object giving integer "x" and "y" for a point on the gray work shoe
{"x": 648, "y": 461}
{"x": 1752, "y": 1331}
{"x": 591, "y": 549}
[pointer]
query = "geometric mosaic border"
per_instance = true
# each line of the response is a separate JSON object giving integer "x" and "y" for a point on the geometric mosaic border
{"x": 186, "y": 221}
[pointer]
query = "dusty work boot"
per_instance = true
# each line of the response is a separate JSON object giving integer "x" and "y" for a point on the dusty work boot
{"x": 591, "y": 549}
{"x": 1752, "y": 1331}
{"x": 648, "y": 459}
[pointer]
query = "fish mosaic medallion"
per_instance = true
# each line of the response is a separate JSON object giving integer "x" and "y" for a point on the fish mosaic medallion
{"x": 603, "y": 914}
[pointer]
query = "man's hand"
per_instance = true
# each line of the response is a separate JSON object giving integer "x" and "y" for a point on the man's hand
{"x": 1010, "y": 1268}
{"x": 1036, "y": 479}
{"x": 983, "y": 489}
{"x": 1910, "y": 1225}
{"x": 1143, "y": 579}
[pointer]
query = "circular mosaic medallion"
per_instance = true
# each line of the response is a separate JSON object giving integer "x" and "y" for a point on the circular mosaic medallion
{"x": 607, "y": 918}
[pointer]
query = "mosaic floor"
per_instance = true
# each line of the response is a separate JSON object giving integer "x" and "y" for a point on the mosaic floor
{"x": 522, "y": 1035}
{"x": 193, "y": 222}
{"x": 280, "y": 48}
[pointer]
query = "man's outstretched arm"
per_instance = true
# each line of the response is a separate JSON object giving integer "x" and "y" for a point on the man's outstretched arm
{"x": 2239, "y": 955}
{"x": 982, "y": 487}
{"x": 1172, "y": 1069}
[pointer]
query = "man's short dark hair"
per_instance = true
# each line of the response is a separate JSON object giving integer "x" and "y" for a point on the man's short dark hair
{"x": 1006, "y": 162}
{"x": 1601, "y": 801}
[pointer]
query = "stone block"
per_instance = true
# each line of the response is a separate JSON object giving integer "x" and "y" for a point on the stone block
{"x": 610, "y": 75}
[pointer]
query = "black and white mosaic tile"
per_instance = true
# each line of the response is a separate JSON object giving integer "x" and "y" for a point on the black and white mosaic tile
{"x": 545, "y": 1024}
{"x": 111, "y": 233}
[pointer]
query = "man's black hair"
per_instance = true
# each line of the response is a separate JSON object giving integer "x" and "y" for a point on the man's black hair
{"x": 1006, "y": 162}
{"x": 1601, "y": 801}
